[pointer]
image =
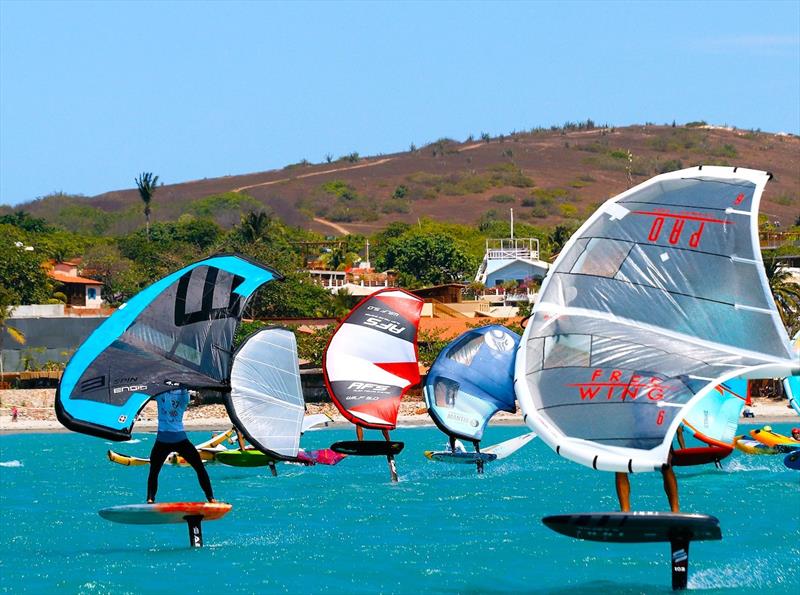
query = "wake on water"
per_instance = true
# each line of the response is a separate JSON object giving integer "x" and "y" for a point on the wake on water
{"x": 10, "y": 463}
{"x": 745, "y": 464}
{"x": 747, "y": 573}
{"x": 131, "y": 441}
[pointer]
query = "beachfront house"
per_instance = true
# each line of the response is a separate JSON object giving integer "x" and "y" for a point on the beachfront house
{"x": 80, "y": 291}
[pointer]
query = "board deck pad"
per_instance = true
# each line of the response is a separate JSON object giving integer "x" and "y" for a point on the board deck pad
{"x": 466, "y": 458}
{"x": 368, "y": 448}
{"x": 635, "y": 527}
{"x": 164, "y": 512}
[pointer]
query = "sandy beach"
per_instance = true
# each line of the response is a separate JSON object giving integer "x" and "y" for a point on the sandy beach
{"x": 35, "y": 413}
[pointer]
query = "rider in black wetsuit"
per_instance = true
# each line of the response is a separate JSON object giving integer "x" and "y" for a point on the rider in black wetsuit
{"x": 172, "y": 438}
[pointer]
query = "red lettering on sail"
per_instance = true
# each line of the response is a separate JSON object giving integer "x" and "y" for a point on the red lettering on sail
{"x": 680, "y": 221}
{"x": 677, "y": 228}
{"x": 694, "y": 239}
{"x": 615, "y": 386}
{"x": 739, "y": 199}
{"x": 588, "y": 392}
{"x": 655, "y": 229}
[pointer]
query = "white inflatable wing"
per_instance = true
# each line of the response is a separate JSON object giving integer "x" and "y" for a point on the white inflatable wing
{"x": 657, "y": 299}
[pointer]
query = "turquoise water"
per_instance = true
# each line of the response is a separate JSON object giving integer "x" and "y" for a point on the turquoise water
{"x": 347, "y": 529}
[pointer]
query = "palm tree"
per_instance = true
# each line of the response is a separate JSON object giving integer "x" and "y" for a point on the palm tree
{"x": 254, "y": 226}
{"x": 342, "y": 303}
{"x": 785, "y": 292}
{"x": 146, "y": 183}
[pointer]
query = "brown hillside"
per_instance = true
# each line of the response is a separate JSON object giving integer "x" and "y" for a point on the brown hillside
{"x": 546, "y": 176}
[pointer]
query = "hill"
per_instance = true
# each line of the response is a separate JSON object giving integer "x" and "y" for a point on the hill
{"x": 548, "y": 176}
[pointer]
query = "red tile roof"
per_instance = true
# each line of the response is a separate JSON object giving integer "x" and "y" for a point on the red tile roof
{"x": 65, "y": 278}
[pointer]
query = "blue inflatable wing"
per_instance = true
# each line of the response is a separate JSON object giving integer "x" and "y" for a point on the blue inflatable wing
{"x": 472, "y": 379}
{"x": 177, "y": 332}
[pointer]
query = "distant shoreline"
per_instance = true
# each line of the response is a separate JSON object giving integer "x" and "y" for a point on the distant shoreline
{"x": 37, "y": 415}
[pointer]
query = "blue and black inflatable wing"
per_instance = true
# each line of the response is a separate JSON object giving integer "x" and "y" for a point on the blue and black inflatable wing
{"x": 177, "y": 332}
{"x": 472, "y": 379}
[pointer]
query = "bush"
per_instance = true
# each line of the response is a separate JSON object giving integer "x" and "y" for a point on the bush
{"x": 569, "y": 211}
{"x": 551, "y": 194}
{"x": 642, "y": 166}
{"x": 540, "y": 212}
{"x": 502, "y": 198}
{"x": 350, "y": 158}
{"x": 670, "y": 165}
{"x": 595, "y": 147}
{"x": 395, "y": 205}
{"x": 508, "y": 174}
{"x": 444, "y": 146}
{"x": 579, "y": 183}
{"x": 679, "y": 140}
{"x": 224, "y": 208}
{"x": 339, "y": 189}
{"x": 400, "y": 192}
{"x": 726, "y": 150}
{"x": 344, "y": 213}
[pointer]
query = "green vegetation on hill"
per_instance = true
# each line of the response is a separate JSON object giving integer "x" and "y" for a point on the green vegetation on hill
{"x": 552, "y": 177}
{"x": 339, "y": 201}
{"x": 591, "y": 161}
{"x": 225, "y": 208}
{"x": 499, "y": 175}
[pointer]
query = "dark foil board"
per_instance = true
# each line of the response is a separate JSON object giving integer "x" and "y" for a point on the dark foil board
{"x": 636, "y": 527}
{"x": 699, "y": 456}
{"x": 244, "y": 458}
{"x": 367, "y": 448}
{"x": 446, "y": 456}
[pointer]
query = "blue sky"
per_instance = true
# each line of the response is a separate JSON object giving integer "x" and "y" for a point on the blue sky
{"x": 92, "y": 93}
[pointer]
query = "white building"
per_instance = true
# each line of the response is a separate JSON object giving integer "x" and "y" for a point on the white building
{"x": 511, "y": 259}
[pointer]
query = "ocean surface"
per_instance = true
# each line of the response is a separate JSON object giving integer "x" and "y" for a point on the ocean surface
{"x": 347, "y": 529}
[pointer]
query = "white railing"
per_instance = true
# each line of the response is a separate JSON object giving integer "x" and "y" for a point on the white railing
{"x": 509, "y": 254}
{"x": 338, "y": 282}
{"x": 527, "y": 248}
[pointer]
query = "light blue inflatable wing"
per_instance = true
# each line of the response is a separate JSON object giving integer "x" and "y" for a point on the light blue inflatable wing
{"x": 715, "y": 417}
